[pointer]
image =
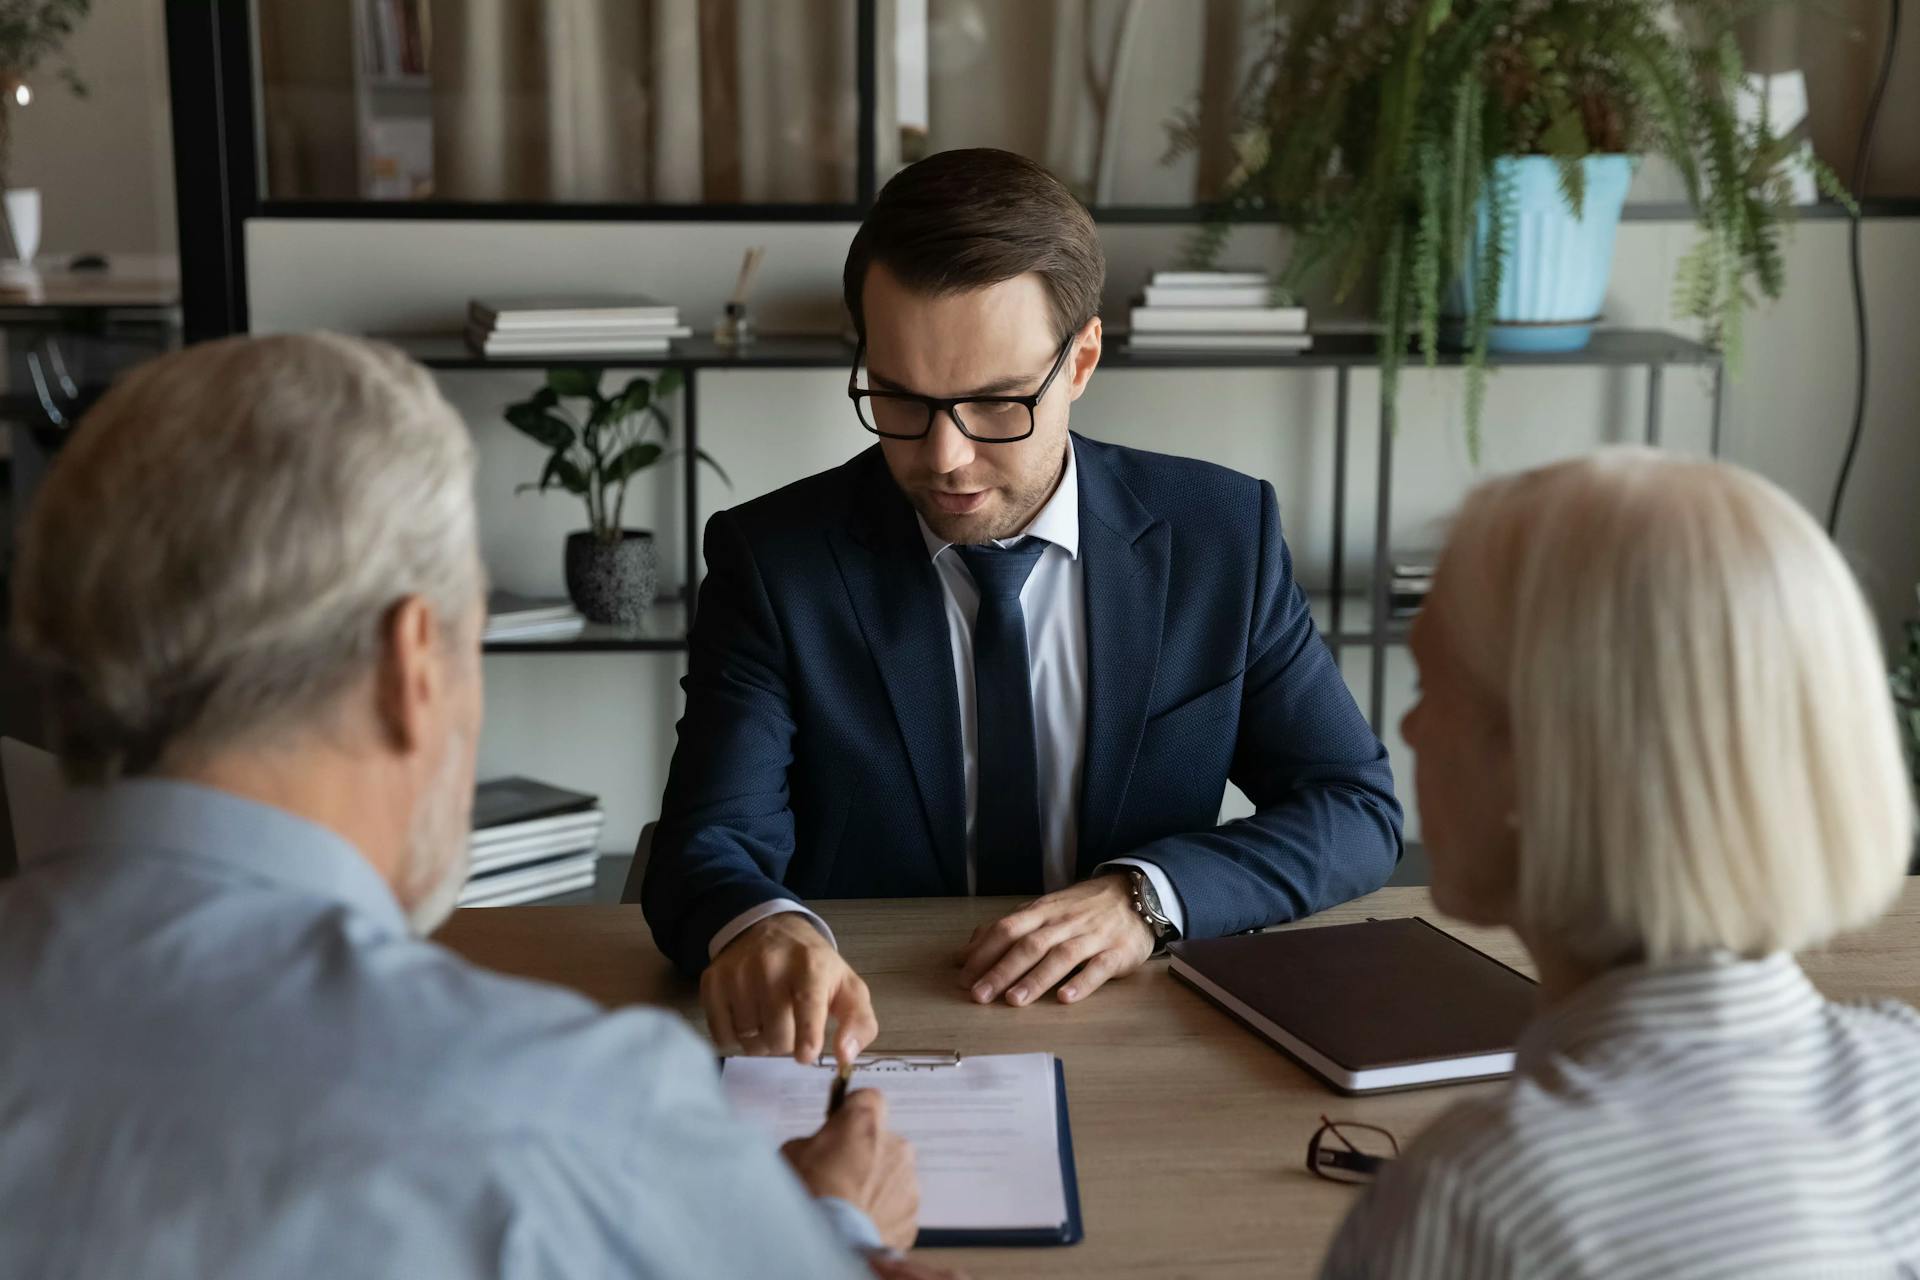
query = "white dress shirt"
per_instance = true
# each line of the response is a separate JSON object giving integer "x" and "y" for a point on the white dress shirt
{"x": 1054, "y": 602}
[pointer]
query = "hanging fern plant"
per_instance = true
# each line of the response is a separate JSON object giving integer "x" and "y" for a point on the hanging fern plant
{"x": 1374, "y": 129}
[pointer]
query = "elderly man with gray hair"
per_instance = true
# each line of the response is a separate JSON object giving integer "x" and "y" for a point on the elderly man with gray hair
{"x": 252, "y": 589}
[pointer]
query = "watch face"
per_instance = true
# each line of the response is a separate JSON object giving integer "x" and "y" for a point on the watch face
{"x": 1149, "y": 902}
{"x": 1147, "y": 894}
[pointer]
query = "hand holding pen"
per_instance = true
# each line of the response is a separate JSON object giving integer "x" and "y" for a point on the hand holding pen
{"x": 856, "y": 1158}
{"x": 837, "y": 1095}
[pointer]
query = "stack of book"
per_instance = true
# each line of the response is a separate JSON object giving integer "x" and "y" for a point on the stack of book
{"x": 530, "y": 841}
{"x": 572, "y": 326}
{"x": 1215, "y": 311}
{"x": 513, "y": 617}
{"x": 397, "y": 37}
{"x": 1407, "y": 589}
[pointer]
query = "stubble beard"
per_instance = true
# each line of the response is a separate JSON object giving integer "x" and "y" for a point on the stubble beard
{"x": 1018, "y": 506}
{"x": 438, "y": 850}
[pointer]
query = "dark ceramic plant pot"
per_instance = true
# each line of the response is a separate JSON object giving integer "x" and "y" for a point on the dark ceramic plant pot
{"x": 612, "y": 581}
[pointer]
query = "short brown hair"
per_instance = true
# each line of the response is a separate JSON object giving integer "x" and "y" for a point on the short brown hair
{"x": 967, "y": 219}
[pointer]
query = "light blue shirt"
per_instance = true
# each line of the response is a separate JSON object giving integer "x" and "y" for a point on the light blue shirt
{"x": 1054, "y": 603}
{"x": 222, "y": 1054}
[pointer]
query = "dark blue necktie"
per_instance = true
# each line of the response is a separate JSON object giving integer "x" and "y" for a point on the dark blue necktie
{"x": 1006, "y": 831}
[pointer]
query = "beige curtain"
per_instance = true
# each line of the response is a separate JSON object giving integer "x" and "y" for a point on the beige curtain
{"x": 307, "y": 96}
{"x": 666, "y": 101}
{"x": 1087, "y": 87}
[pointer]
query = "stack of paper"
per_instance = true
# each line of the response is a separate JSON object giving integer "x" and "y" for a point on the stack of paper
{"x": 530, "y": 841}
{"x": 572, "y": 326}
{"x": 515, "y": 617}
{"x": 1216, "y": 311}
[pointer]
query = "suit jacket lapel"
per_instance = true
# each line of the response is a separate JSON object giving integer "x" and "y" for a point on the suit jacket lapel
{"x": 1126, "y": 551}
{"x": 896, "y": 596}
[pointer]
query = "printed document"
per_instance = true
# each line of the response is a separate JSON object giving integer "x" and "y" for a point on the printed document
{"x": 986, "y": 1131}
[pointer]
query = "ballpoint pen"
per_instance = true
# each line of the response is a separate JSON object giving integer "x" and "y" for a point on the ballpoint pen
{"x": 838, "y": 1095}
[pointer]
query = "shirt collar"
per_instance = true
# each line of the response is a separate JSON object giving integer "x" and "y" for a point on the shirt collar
{"x": 1712, "y": 998}
{"x": 1057, "y": 522}
{"x": 154, "y": 817}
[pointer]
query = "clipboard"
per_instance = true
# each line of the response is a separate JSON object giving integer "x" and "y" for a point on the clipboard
{"x": 1070, "y": 1231}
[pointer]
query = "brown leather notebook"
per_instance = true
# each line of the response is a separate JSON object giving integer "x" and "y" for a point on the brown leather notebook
{"x": 1384, "y": 1004}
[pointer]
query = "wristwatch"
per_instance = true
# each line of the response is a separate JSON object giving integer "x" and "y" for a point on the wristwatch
{"x": 1146, "y": 904}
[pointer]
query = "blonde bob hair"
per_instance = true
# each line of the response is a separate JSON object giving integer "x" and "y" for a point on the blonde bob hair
{"x": 1704, "y": 747}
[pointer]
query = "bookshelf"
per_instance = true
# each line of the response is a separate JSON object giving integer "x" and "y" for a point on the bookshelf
{"x": 393, "y": 98}
{"x": 664, "y": 630}
{"x": 1347, "y": 617}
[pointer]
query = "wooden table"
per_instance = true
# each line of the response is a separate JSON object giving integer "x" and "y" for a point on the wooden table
{"x": 1190, "y": 1133}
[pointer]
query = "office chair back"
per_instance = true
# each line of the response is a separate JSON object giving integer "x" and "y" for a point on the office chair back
{"x": 36, "y": 792}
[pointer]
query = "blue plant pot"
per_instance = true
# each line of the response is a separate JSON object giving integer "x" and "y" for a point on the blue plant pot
{"x": 1557, "y": 264}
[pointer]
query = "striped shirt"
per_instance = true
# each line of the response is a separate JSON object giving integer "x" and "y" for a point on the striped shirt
{"x": 1715, "y": 1118}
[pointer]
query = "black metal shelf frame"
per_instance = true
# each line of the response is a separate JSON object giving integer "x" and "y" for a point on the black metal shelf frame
{"x": 663, "y": 631}
{"x": 1653, "y": 350}
{"x": 211, "y": 54}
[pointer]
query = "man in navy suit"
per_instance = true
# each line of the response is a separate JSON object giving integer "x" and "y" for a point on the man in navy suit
{"x": 992, "y": 656}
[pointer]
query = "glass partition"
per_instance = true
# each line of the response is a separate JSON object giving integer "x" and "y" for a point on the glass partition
{"x": 713, "y": 103}
{"x": 672, "y": 102}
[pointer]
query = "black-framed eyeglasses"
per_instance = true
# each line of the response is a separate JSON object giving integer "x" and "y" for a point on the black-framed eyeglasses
{"x": 1342, "y": 1151}
{"x": 901, "y": 415}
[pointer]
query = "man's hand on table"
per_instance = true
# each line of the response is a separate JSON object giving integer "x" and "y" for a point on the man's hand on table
{"x": 771, "y": 990}
{"x": 1091, "y": 926}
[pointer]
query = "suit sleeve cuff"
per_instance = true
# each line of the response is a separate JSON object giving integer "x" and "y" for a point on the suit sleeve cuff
{"x": 754, "y": 915}
{"x": 1169, "y": 896}
{"x": 851, "y": 1225}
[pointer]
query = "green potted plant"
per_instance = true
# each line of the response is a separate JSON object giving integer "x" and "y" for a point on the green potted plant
{"x": 30, "y": 32}
{"x": 596, "y": 444}
{"x": 1477, "y": 154}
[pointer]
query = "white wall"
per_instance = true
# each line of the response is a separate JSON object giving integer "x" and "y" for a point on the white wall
{"x": 104, "y": 163}
{"x": 604, "y": 721}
